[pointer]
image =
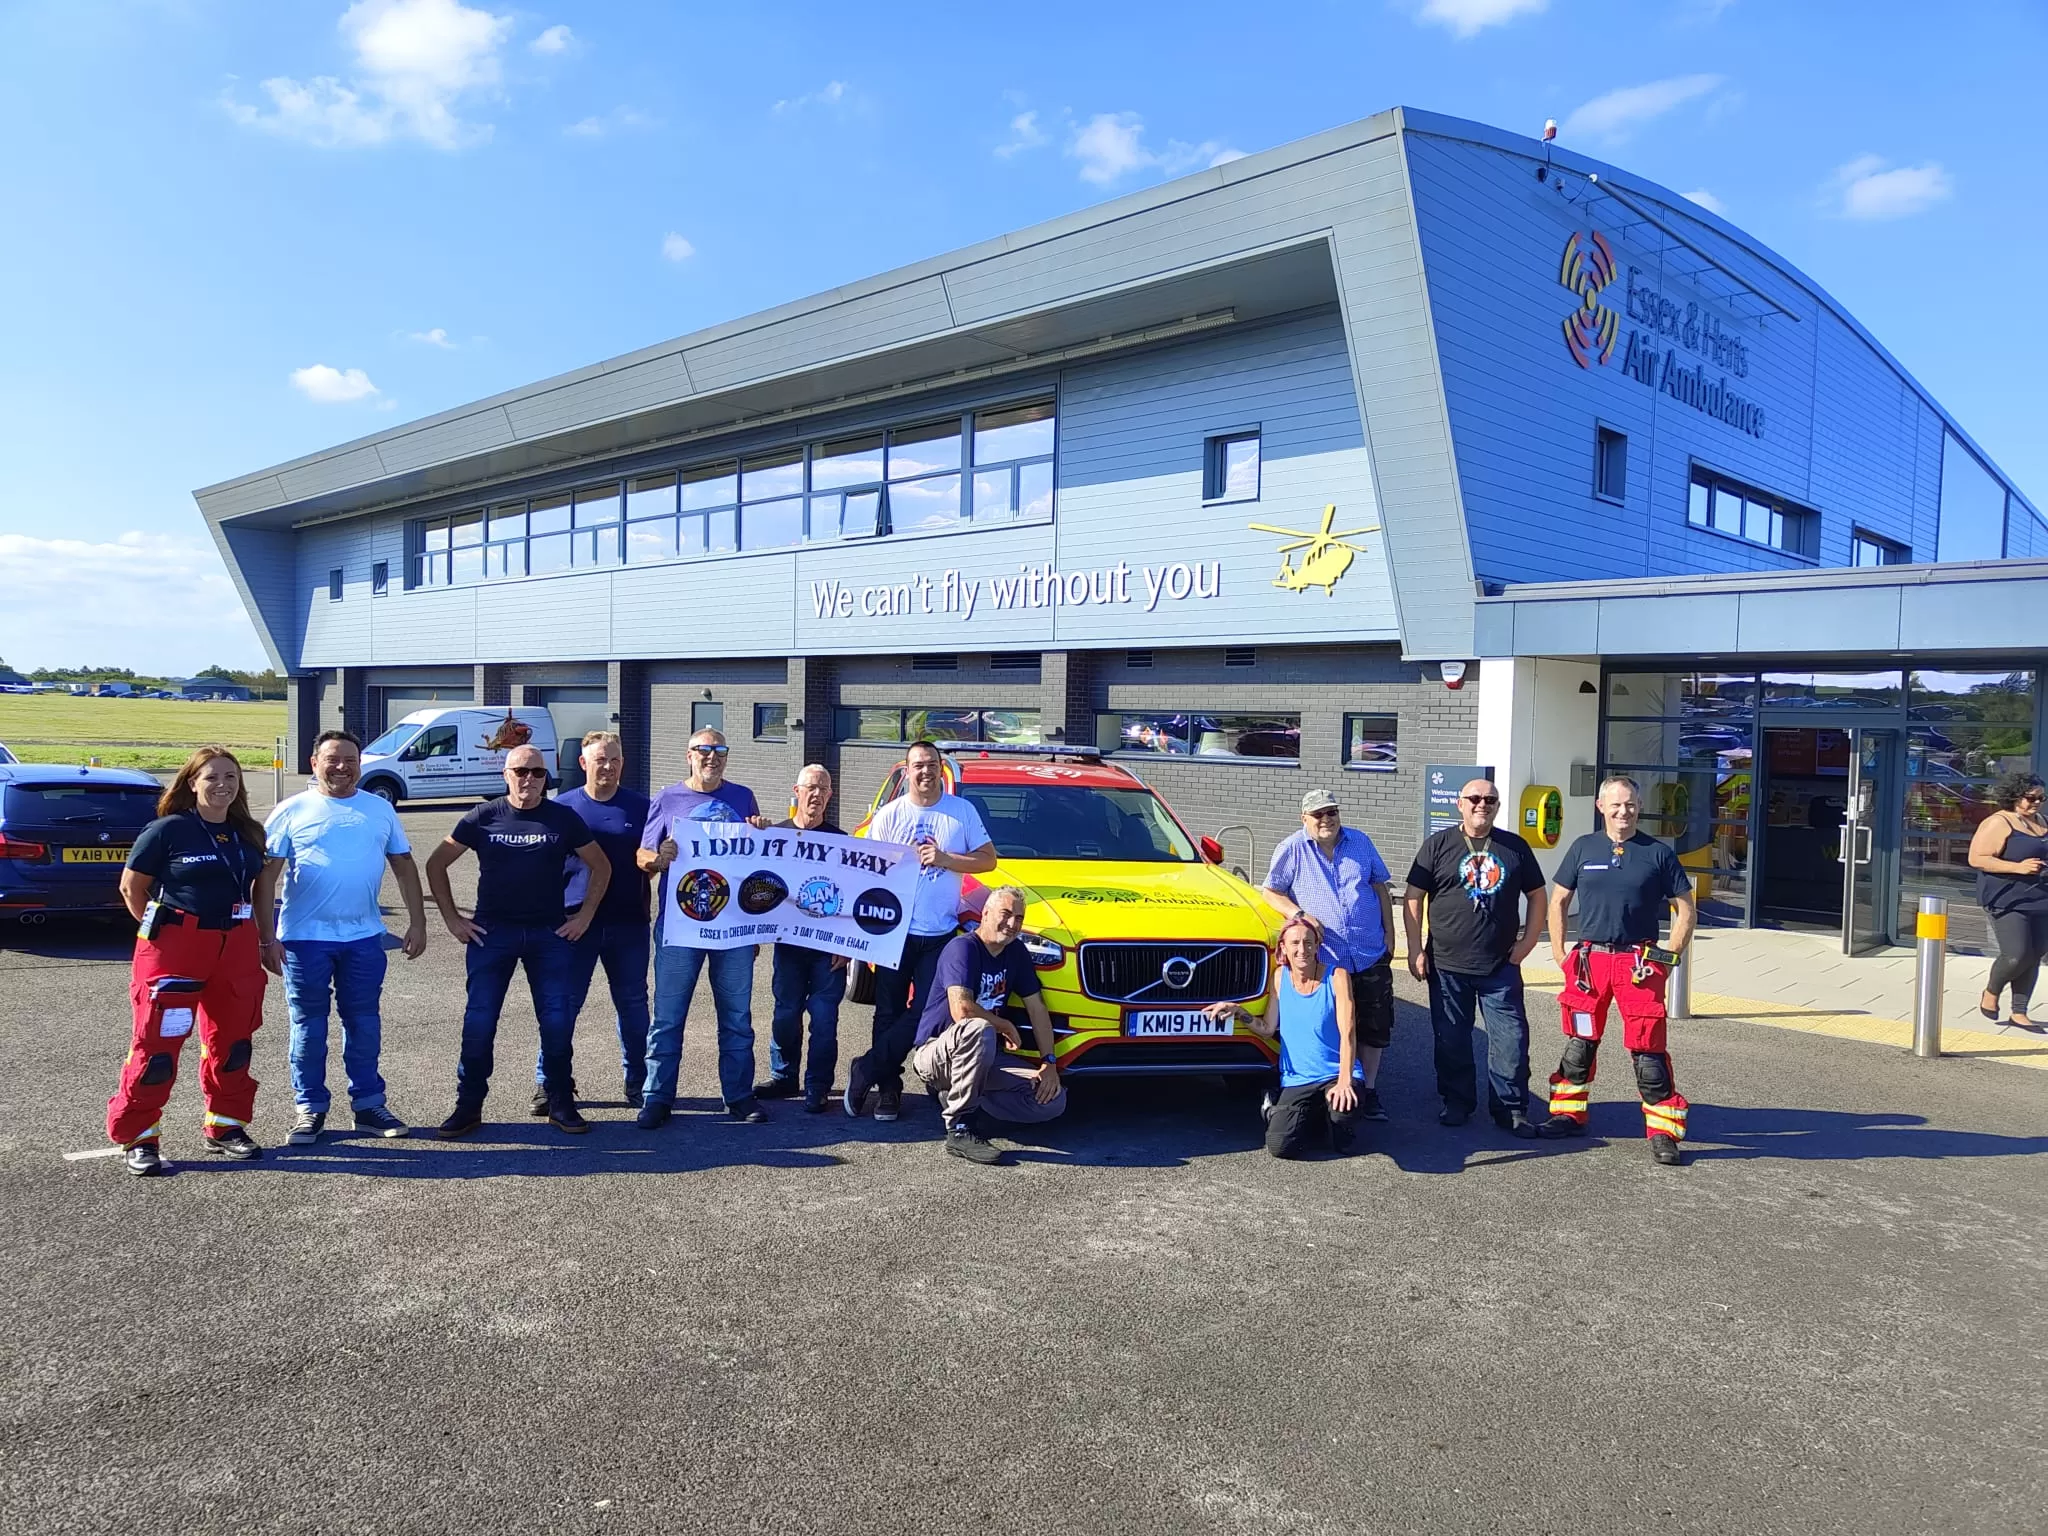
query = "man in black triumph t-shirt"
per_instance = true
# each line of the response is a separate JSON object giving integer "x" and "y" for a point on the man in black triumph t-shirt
{"x": 1473, "y": 878}
{"x": 1621, "y": 880}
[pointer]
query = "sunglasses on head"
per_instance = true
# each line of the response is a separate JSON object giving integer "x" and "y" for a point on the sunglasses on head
{"x": 712, "y": 751}
{"x": 528, "y": 773}
{"x": 1482, "y": 799}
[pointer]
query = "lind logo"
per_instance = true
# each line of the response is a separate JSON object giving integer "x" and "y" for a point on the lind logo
{"x": 1588, "y": 267}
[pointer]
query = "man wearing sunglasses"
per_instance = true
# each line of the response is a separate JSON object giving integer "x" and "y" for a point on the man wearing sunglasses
{"x": 704, "y": 796}
{"x": 1473, "y": 879}
{"x": 1334, "y": 875}
{"x": 521, "y": 919}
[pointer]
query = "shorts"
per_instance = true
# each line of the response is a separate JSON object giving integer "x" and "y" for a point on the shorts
{"x": 1372, "y": 1005}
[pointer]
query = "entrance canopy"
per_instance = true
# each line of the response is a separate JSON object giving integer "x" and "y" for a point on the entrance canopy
{"x": 1906, "y": 611}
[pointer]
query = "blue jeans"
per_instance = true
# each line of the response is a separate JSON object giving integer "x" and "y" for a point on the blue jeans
{"x": 352, "y": 972}
{"x": 1454, "y": 1005}
{"x": 550, "y": 963}
{"x": 623, "y": 949}
{"x": 676, "y": 969}
{"x": 805, "y": 979}
{"x": 897, "y": 1011}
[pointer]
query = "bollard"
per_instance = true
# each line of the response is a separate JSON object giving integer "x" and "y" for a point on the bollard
{"x": 1930, "y": 960}
{"x": 1678, "y": 986}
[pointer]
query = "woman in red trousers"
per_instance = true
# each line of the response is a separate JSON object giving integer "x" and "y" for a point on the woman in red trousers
{"x": 198, "y": 960}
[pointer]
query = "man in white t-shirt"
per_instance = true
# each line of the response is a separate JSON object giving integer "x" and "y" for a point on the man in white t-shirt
{"x": 951, "y": 841}
{"x": 329, "y": 847}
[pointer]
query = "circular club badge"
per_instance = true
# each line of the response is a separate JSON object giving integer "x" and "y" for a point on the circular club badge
{"x": 762, "y": 891}
{"x": 877, "y": 910}
{"x": 702, "y": 894}
{"x": 820, "y": 897}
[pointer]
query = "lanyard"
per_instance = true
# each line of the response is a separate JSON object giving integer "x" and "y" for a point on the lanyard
{"x": 237, "y": 871}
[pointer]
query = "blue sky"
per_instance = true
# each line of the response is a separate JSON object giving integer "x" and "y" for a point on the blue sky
{"x": 243, "y": 231}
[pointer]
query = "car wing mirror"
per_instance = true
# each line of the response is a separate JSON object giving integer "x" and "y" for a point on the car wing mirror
{"x": 1212, "y": 851}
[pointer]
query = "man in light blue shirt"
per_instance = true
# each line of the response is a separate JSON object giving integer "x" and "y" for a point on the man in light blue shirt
{"x": 1333, "y": 875}
{"x": 329, "y": 847}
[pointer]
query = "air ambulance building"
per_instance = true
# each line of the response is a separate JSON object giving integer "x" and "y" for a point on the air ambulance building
{"x": 1218, "y": 476}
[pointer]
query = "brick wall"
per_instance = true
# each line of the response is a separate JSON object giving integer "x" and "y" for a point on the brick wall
{"x": 673, "y": 687}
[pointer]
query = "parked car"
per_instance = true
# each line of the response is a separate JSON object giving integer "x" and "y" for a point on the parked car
{"x": 7, "y": 756}
{"x": 1132, "y": 924}
{"x": 65, "y": 834}
{"x": 453, "y": 751}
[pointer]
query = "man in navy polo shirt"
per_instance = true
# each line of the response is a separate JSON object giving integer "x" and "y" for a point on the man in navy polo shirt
{"x": 1335, "y": 876}
{"x": 618, "y": 935}
{"x": 1620, "y": 879}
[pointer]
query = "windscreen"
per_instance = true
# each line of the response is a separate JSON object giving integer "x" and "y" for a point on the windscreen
{"x": 1069, "y": 821}
{"x": 392, "y": 741}
{"x": 82, "y": 804}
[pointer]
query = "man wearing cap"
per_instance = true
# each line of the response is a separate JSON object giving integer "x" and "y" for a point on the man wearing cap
{"x": 1333, "y": 875}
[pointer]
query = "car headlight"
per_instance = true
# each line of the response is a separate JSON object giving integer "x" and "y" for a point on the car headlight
{"x": 1046, "y": 954}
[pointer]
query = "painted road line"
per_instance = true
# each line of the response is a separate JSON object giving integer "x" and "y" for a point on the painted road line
{"x": 79, "y": 1157}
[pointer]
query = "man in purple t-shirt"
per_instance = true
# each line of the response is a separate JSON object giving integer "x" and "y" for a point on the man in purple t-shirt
{"x": 960, "y": 1034}
{"x": 703, "y": 796}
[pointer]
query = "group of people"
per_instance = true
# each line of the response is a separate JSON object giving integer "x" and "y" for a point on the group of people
{"x": 565, "y": 885}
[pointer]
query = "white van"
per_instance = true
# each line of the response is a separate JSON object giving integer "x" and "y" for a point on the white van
{"x": 451, "y": 752}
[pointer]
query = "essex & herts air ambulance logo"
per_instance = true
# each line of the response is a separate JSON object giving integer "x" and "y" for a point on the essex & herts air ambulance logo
{"x": 1588, "y": 267}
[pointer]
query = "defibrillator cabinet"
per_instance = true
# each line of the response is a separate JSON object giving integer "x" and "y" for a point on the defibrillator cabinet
{"x": 1542, "y": 815}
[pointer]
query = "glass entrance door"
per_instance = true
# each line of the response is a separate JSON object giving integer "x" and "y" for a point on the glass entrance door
{"x": 1869, "y": 849}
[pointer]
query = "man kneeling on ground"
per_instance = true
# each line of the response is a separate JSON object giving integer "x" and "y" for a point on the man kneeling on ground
{"x": 1309, "y": 1008}
{"x": 960, "y": 1035}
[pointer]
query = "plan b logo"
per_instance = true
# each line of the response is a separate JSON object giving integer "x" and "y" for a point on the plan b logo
{"x": 1588, "y": 267}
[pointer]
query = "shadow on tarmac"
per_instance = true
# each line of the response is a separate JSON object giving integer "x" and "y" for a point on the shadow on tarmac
{"x": 1733, "y": 1134}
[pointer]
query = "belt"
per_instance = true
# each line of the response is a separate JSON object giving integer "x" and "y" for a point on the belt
{"x": 1616, "y": 949}
{"x": 180, "y": 917}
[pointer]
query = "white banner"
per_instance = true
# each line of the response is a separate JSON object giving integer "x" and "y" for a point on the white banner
{"x": 732, "y": 885}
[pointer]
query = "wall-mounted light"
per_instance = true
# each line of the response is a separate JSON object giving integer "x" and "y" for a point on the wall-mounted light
{"x": 1586, "y": 687}
{"x": 707, "y": 695}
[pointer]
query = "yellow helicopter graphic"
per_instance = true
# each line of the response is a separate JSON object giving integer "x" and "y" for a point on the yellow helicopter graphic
{"x": 1328, "y": 557}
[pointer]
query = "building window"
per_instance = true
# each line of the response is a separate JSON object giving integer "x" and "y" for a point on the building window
{"x": 380, "y": 578}
{"x": 1610, "y": 464}
{"x": 993, "y": 465}
{"x": 334, "y": 585}
{"x": 1869, "y": 549}
{"x": 1240, "y": 656}
{"x": 771, "y": 722}
{"x": 1230, "y": 467}
{"x": 1138, "y": 661}
{"x": 1174, "y": 733}
{"x": 1372, "y": 743}
{"x": 707, "y": 716}
{"x": 893, "y": 724}
{"x": 1744, "y": 512}
{"x": 934, "y": 661}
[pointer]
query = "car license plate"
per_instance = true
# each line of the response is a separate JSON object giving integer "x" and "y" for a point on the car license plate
{"x": 95, "y": 855}
{"x": 1174, "y": 1021}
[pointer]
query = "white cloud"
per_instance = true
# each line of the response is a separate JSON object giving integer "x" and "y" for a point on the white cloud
{"x": 1867, "y": 188}
{"x": 149, "y": 601}
{"x": 1024, "y": 134}
{"x": 419, "y": 62}
{"x": 1111, "y": 146}
{"x": 437, "y": 337}
{"x": 1466, "y": 18}
{"x": 675, "y": 248}
{"x": 557, "y": 39}
{"x": 618, "y": 120}
{"x": 1707, "y": 200}
{"x": 332, "y": 386}
{"x": 830, "y": 94}
{"x": 1614, "y": 115}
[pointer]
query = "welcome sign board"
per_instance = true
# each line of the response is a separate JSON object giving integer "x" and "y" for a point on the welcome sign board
{"x": 846, "y": 895}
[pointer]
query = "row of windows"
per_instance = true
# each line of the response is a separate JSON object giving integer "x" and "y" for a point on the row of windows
{"x": 992, "y": 466}
{"x": 1744, "y": 512}
{"x": 1370, "y": 741}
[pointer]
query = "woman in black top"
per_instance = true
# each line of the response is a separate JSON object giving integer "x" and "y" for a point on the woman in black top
{"x": 197, "y": 959}
{"x": 2010, "y": 853}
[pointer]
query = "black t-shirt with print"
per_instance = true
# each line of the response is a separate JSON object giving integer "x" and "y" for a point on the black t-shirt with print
{"x": 519, "y": 860}
{"x": 1621, "y": 889}
{"x": 199, "y": 867}
{"x": 1474, "y": 886}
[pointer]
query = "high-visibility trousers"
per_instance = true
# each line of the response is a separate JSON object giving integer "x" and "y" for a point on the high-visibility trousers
{"x": 1596, "y": 979}
{"x": 187, "y": 979}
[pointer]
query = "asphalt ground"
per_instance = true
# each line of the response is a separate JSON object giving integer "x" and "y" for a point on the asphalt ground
{"x": 1830, "y": 1320}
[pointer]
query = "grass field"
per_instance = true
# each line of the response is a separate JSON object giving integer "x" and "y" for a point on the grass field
{"x": 151, "y": 734}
